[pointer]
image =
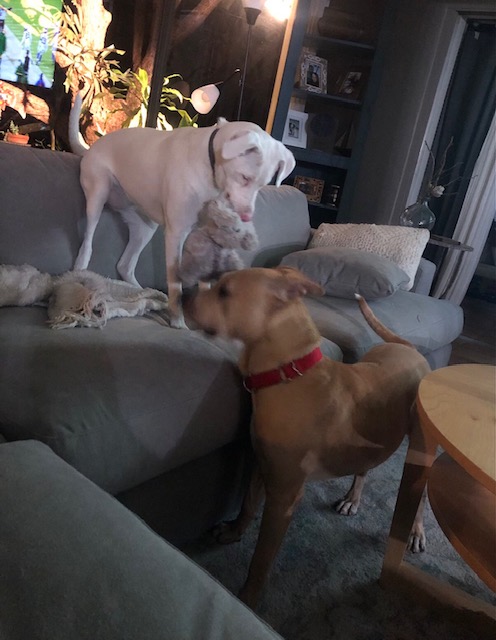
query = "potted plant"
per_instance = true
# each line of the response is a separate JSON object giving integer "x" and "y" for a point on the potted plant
{"x": 13, "y": 135}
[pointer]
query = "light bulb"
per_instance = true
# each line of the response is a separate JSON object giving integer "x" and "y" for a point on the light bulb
{"x": 279, "y": 9}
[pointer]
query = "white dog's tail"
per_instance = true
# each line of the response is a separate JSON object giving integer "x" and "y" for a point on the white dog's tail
{"x": 386, "y": 334}
{"x": 76, "y": 140}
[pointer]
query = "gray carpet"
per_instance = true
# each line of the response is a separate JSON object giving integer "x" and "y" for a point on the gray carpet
{"x": 324, "y": 582}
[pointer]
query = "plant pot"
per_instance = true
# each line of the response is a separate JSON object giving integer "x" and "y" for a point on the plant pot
{"x": 16, "y": 138}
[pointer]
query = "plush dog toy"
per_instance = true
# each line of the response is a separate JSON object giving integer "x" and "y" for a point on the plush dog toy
{"x": 209, "y": 250}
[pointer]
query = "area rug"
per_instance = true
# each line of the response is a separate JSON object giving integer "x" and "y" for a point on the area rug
{"x": 324, "y": 584}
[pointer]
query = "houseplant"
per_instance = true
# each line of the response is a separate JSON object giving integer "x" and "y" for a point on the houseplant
{"x": 136, "y": 113}
{"x": 13, "y": 135}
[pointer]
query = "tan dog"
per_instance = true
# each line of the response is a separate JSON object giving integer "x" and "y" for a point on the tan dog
{"x": 316, "y": 417}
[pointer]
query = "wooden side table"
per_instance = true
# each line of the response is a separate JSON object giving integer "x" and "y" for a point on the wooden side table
{"x": 456, "y": 407}
{"x": 448, "y": 243}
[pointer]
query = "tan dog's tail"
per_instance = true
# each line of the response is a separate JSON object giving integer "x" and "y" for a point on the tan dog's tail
{"x": 386, "y": 334}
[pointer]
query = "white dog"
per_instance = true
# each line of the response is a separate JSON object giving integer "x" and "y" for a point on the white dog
{"x": 164, "y": 177}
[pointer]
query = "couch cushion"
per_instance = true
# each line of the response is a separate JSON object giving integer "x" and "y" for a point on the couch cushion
{"x": 402, "y": 245}
{"x": 282, "y": 223}
{"x": 42, "y": 203}
{"x": 426, "y": 322}
{"x": 343, "y": 272}
{"x": 331, "y": 350}
{"x": 122, "y": 404}
{"x": 42, "y": 224}
{"x": 76, "y": 564}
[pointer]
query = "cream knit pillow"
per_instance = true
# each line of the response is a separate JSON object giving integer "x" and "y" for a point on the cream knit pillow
{"x": 402, "y": 245}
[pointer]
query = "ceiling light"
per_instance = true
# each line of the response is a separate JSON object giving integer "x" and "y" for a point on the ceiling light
{"x": 279, "y": 9}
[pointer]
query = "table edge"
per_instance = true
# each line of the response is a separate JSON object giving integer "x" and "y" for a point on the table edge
{"x": 476, "y": 472}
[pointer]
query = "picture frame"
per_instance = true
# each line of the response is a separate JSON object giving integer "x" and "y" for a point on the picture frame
{"x": 351, "y": 83}
{"x": 311, "y": 187}
{"x": 295, "y": 132}
{"x": 313, "y": 74}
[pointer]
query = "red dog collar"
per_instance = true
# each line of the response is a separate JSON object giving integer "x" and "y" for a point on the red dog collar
{"x": 284, "y": 373}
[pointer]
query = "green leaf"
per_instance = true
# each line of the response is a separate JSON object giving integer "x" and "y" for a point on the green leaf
{"x": 175, "y": 92}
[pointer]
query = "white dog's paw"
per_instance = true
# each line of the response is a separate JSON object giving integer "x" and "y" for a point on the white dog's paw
{"x": 416, "y": 541}
{"x": 226, "y": 533}
{"x": 128, "y": 276}
{"x": 156, "y": 305}
{"x": 178, "y": 322}
{"x": 155, "y": 294}
{"x": 346, "y": 507}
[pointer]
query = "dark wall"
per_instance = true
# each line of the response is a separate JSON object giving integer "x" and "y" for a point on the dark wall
{"x": 120, "y": 30}
{"x": 218, "y": 47}
{"x": 212, "y": 53}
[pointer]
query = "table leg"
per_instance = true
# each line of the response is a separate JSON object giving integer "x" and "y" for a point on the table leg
{"x": 419, "y": 459}
{"x": 402, "y": 577}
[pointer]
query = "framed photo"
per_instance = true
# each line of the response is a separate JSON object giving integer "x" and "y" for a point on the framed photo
{"x": 313, "y": 74}
{"x": 295, "y": 132}
{"x": 351, "y": 83}
{"x": 311, "y": 187}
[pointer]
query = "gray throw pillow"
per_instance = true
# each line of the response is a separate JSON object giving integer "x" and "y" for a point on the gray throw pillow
{"x": 343, "y": 272}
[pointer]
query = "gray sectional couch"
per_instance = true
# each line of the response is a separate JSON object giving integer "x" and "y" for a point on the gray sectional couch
{"x": 75, "y": 564}
{"x": 156, "y": 417}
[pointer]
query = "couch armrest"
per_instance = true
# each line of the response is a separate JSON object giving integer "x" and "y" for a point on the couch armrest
{"x": 424, "y": 277}
{"x": 76, "y": 564}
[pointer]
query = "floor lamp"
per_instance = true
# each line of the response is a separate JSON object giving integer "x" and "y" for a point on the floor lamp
{"x": 252, "y": 8}
{"x": 204, "y": 98}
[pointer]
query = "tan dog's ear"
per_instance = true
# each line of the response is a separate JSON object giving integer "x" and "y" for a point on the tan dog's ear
{"x": 294, "y": 284}
{"x": 239, "y": 145}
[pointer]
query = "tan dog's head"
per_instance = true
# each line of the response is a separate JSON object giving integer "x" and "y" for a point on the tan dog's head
{"x": 242, "y": 303}
{"x": 248, "y": 158}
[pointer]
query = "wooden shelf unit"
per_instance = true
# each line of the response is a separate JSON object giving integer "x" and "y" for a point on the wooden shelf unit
{"x": 333, "y": 157}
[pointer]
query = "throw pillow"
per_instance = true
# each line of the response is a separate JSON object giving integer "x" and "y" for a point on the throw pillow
{"x": 402, "y": 245}
{"x": 344, "y": 272}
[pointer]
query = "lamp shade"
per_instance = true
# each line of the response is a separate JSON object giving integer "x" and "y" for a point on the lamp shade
{"x": 254, "y": 4}
{"x": 204, "y": 98}
{"x": 253, "y": 9}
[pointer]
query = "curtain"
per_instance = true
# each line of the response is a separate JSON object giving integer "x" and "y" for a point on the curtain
{"x": 478, "y": 212}
{"x": 466, "y": 118}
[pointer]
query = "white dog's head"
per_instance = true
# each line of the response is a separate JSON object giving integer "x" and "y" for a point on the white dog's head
{"x": 248, "y": 158}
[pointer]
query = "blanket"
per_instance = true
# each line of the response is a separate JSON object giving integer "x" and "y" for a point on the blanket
{"x": 76, "y": 298}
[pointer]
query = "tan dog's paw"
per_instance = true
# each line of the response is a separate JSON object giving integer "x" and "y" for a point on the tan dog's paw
{"x": 226, "y": 533}
{"x": 416, "y": 541}
{"x": 347, "y": 507}
{"x": 249, "y": 596}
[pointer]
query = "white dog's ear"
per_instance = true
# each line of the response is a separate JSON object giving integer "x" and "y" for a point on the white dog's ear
{"x": 285, "y": 165}
{"x": 221, "y": 122}
{"x": 240, "y": 145}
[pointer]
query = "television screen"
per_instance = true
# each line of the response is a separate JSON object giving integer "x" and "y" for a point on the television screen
{"x": 28, "y": 39}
